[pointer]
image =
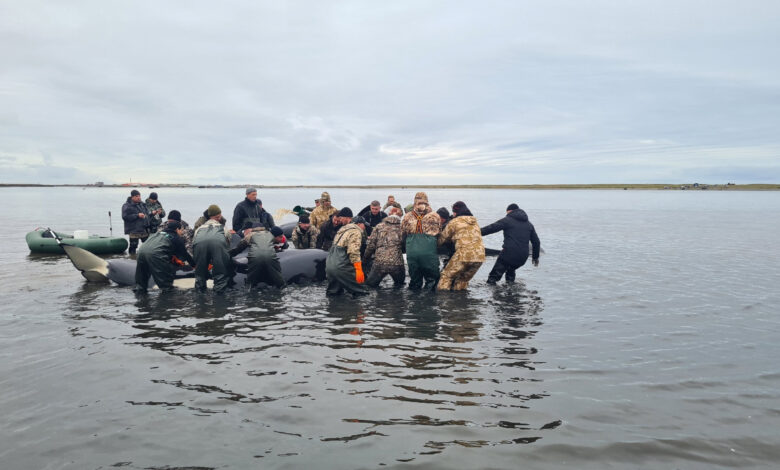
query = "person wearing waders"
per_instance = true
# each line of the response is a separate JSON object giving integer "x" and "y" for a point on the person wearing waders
{"x": 420, "y": 227}
{"x": 518, "y": 232}
{"x": 469, "y": 255}
{"x": 156, "y": 258}
{"x": 343, "y": 266}
{"x": 211, "y": 246}
{"x": 263, "y": 263}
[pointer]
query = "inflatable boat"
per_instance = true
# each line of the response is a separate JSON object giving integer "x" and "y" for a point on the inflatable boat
{"x": 43, "y": 240}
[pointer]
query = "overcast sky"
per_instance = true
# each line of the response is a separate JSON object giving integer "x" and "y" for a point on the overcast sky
{"x": 389, "y": 92}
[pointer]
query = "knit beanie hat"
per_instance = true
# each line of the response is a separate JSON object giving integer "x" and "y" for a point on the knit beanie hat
{"x": 277, "y": 231}
{"x": 345, "y": 212}
{"x": 134, "y": 193}
{"x": 153, "y": 196}
{"x": 213, "y": 210}
{"x": 359, "y": 220}
{"x": 512, "y": 207}
{"x": 174, "y": 215}
{"x": 250, "y": 191}
{"x": 304, "y": 219}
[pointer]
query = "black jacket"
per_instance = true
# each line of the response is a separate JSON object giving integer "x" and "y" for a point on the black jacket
{"x": 373, "y": 220}
{"x": 251, "y": 211}
{"x": 327, "y": 234}
{"x": 133, "y": 223}
{"x": 518, "y": 231}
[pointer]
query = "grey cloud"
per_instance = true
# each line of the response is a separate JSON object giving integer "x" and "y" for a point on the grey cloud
{"x": 312, "y": 92}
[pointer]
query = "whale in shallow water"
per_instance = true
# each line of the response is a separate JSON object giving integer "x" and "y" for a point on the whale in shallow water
{"x": 298, "y": 266}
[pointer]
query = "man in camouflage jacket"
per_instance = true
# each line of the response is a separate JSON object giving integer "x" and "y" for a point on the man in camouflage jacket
{"x": 322, "y": 213}
{"x": 385, "y": 245}
{"x": 420, "y": 227}
{"x": 344, "y": 267}
{"x": 305, "y": 234}
{"x": 469, "y": 250}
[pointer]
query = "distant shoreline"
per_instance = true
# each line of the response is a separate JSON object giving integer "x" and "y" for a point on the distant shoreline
{"x": 668, "y": 187}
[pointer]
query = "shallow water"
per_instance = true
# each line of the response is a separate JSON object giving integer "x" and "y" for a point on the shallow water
{"x": 647, "y": 338}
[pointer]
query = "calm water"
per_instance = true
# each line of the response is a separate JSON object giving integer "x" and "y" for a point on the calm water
{"x": 648, "y": 338}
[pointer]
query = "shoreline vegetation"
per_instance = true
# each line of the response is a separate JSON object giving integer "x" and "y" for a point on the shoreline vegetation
{"x": 649, "y": 186}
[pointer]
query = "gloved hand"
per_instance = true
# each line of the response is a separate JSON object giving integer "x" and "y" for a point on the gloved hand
{"x": 359, "y": 276}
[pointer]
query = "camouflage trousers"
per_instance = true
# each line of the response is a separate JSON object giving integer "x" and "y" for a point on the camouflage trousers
{"x": 379, "y": 271}
{"x": 457, "y": 274}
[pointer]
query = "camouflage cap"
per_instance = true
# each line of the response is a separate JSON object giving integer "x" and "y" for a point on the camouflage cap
{"x": 324, "y": 196}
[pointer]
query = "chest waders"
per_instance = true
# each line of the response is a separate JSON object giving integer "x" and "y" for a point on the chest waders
{"x": 340, "y": 271}
{"x": 154, "y": 260}
{"x": 423, "y": 260}
{"x": 210, "y": 247}
{"x": 263, "y": 264}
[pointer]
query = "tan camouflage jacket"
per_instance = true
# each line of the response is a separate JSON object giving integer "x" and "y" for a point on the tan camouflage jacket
{"x": 350, "y": 237}
{"x": 303, "y": 240}
{"x": 421, "y": 219}
{"x": 319, "y": 215}
{"x": 430, "y": 223}
{"x": 465, "y": 232}
{"x": 385, "y": 241}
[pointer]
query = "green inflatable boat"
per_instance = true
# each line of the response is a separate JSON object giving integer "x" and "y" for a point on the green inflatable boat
{"x": 43, "y": 240}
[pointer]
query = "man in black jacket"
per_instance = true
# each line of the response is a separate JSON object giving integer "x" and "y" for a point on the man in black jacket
{"x": 373, "y": 214}
{"x": 250, "y": 211}
{"x": 136, "y": 216}
{"x": 518, "y": 231}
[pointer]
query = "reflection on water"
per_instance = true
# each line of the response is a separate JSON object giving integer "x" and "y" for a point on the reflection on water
{"x": 454, "y": 361}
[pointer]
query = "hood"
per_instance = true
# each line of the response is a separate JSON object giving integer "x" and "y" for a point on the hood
{"x": 465, "y": 220}
{"x": 420, "y": 197}
{"x": 518, "y": 214}
{"x": 350, "y": 226}
{"x": 420, "y": 200}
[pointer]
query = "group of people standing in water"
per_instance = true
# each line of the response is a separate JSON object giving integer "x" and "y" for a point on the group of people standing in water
{"x": 362, "y": 249}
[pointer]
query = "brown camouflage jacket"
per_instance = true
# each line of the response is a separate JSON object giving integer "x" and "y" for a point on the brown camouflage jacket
{"x": 428, "y": 223}
{"x": 350, "y": 237}
{"x": 465, "y": 232}
{"x": 421, "y": 219}
{"x": 319, "y": 215}
{"x": 385, "y": 241}
{"x": 303, "y": 240}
